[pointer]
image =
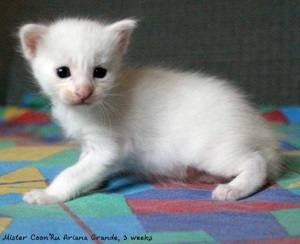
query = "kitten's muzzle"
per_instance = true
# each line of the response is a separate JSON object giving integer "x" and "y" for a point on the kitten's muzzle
{"x": 83, "y": 93}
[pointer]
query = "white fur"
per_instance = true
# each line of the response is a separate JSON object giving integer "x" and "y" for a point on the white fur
{"x": 165, "y": 121}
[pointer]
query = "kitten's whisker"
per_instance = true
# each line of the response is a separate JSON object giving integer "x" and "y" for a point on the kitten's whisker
{"x": 106, "y": 112}
{"x": 112, "y": 106}
{"x": 116, "y": 95}
{"x": 46, "y": 106}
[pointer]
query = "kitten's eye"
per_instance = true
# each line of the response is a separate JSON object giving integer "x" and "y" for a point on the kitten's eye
{"x": 100, "y": 72}
{"x": 63, "y": 72}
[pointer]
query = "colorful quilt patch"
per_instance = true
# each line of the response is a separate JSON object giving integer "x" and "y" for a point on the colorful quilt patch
{"x": 130, "y": 210}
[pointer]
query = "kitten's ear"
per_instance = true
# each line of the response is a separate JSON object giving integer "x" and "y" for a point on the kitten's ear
{"x": 30, "y": 35}
{"x": 122, "y": 31}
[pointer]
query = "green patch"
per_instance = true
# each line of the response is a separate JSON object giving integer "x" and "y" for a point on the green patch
{"x": 45, "y": 130}
{"x": 25, "y": 210}
{"x": 282, "y": 127}
{"x": 287, "y": 178}
{"x": 294, "y": 141}
{"x": 98, "y": 205}
{"x": 266, "y": 109}
{"x": 2, "y": 112}
{"x": 290, "y": 175}
{"x": 36, "y": 102}
{"x": 64, "y": 158}
{"x": 293, "y": 163}
{"x": 7, "y": 144}
{"x": 181, "y": 237}
{"x": 289, "y": 219}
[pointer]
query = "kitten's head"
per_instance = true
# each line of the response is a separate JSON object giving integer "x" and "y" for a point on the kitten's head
{"x": 76, "y": 61}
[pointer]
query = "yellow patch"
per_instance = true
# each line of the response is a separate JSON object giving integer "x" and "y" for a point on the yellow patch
{"x": 292, "y": 153}
{"x": 12, "y": 138}
{"x": 294, "y": 185}
{"x": 4, "y": 223}
{"x": 30, "y": 153}
{"x": 21, "y": 180}
{"x": 13, "y": 112}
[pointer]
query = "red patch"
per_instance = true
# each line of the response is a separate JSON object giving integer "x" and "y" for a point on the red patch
{"x": 275, "y": 116}
{"x": 178, "y": 206}
{"x": 32, "y": 117}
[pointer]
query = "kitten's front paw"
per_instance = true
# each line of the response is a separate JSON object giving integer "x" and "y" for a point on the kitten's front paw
{"x": 40, "y": 197}
{"x": 225, "y": 192}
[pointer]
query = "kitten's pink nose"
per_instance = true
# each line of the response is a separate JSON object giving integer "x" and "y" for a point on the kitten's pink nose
{"x": 84, "y": 92}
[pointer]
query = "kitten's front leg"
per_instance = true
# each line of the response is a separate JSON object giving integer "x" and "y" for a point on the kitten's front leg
{"x": 90, "y": 170}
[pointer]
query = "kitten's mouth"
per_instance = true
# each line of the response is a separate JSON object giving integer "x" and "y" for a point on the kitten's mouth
{"x": 82, "y": 103}
{"x": 86, "y": 102}
{"x": 77, "y": 102}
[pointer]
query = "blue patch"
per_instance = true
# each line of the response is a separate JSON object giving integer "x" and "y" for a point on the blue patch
{"x": 273, "y": 195}
{"x": 296, "y": 191}
{"x": 126, "y": 185}
{"x": 121, "y": 226}
{"x": 49, "y": 172}
{"x": 11, "y": 198}
{"x": 285, "y": 145}
{"x": 190, "y": 194}
{"x": 222, "y": 226}
{"x": 292, "y": 113}
{"x": 11, "y": 129}
{"x": 7, "y": 167}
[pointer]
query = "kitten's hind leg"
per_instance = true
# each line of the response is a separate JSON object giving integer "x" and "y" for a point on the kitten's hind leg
{"x": 251, "y": 176}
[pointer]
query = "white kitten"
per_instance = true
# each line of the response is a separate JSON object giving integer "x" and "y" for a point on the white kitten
{"x": 168, "y": 122}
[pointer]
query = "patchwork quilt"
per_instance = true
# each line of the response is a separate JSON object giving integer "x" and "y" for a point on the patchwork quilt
{"x": 127, "y": 210}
